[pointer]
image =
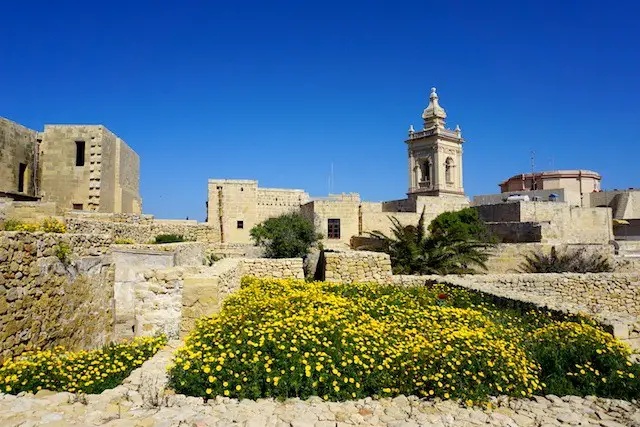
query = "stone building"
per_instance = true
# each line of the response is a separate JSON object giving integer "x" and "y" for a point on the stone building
{"x": 625, "y": 206}
{"x": 435, "y": 186}
{"x": 78, "y": 167}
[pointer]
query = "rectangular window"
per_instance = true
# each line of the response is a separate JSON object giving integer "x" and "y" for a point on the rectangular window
{"x": 240, "y": 224}
{"x": 22, "y": 172}
{"x": 333, "y": 228}
{"x": 77, "y": 206}
{"x": 79, "y": 153}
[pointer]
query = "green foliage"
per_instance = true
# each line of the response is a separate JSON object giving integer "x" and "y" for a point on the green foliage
{"x": 12, "y": 224}
{"x": 457, "y": 243}
{"x": 81, "y": 371}
{"x": 578, "y": 261}
{"x": 169, "y": 238}
{"x": 286, "y": 236}
{"x": 124, "y": 242}
{"x": 290, "y": 338}
{"x": 462, "y": 225}
{"x": 63, "y": 252}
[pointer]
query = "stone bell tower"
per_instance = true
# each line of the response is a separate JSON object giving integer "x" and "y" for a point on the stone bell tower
{"x": 435, "y": 155}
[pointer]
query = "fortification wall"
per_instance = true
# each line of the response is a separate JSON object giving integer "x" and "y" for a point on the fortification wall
{"x": 17, "y": 145}
{"x": 145, "y": 232}
{"x": 44, "y": 302}
{"x": 62, "y": 181}
{"x": 128, "y": 179}
{"x": 272, "y": 202}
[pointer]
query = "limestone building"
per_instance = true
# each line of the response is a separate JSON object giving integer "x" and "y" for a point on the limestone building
{"x": 571, "y": 186}
{"x": 435, "y": 186}
{"x": 78, "y": 167}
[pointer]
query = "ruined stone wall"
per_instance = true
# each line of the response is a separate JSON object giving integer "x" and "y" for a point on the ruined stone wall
{"x": 168, "y": 299}
{"x": 357, "y": 266}
{"x": 144, "y": 232}
{"x": 282, "y": 268}
{"x": 18, "y": 144}
{"x": 45, "y": 302}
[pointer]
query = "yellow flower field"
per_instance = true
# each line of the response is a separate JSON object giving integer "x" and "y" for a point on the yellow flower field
{"x": 81, "y": 371}
{"x": 285, "y": 338}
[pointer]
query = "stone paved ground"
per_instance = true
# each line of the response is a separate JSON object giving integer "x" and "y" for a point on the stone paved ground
{"x": 141, "y": 401}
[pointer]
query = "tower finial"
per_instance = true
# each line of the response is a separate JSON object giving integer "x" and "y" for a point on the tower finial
{"x": 411, "y": 129}
{"x": 434, "y": 114}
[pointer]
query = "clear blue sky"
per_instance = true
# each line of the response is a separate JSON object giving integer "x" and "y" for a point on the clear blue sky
{"x": 278, "y": 91}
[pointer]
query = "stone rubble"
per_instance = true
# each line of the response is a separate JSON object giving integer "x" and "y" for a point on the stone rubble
{"x": 143, "y": 401}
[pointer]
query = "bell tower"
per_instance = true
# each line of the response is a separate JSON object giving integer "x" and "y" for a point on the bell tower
{"x": 435, "y": 154}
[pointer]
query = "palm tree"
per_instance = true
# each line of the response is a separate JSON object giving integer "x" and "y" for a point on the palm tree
{"x": 412, "y": 251}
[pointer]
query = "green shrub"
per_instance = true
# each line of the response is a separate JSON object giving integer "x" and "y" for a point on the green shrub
{"x": 12, "y": 224}
{"x": 81, "y": 371}
{"x": 286, "y": 236}
{"x": 63, "y": 252}
{"x": 577, "y": 261}
{"x": 169, "y": 238}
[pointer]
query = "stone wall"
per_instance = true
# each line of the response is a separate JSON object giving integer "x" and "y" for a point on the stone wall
{"x": 559, "y": 222}
{"x": 356, "y": 266}
{"x": 144, "y": 232}
{"x": 154, "y": 295}
{"x": 26, "y": 211}
{"x": 45, "y": 302}
{"x": 283, "y": 268}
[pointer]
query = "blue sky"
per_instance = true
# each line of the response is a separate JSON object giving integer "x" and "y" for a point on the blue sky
{"x": 277, "y": 91}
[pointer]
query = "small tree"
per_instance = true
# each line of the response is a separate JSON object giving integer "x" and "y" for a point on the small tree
{"x": 286, "y": 236}
{"x": 462, "y": 225}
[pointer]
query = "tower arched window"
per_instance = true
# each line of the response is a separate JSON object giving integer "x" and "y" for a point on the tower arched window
{"x": 426, "y": 172}
{"x": 448, "y": 170}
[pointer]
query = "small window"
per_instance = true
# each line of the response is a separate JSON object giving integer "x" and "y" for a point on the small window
{"x": 22, "y": 172}
{"x": 79, "y": 153}
{"x": 77, "y": 206}
{"x": 333, "y": 228}
{"x": 240, "y": 224}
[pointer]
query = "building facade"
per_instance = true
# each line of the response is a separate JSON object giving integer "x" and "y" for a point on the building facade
{"x": 577, "y": 184}
{"x": 77, "y": 167}
{"x": 435, "y": 186}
